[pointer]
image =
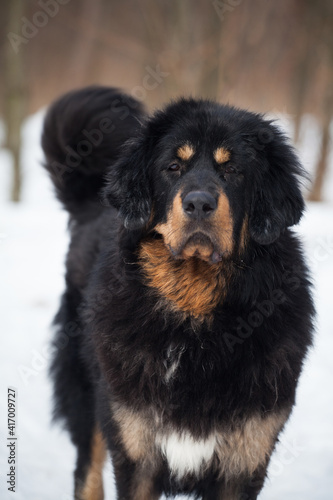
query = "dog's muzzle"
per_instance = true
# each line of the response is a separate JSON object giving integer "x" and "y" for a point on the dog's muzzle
{"x": 199, "y": 205}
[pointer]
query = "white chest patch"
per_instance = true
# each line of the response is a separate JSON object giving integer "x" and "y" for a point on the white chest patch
{"x": 184, "y": 453}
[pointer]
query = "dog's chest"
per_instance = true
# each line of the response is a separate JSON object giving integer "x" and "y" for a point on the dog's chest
{"x": 231, "y": 449}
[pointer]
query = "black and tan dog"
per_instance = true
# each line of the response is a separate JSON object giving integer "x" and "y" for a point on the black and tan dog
{"x": 187, "y": 313}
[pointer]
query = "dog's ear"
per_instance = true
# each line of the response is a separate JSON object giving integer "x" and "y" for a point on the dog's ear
{"x": 277, "y": 201}
{"x": 128, "y": 185}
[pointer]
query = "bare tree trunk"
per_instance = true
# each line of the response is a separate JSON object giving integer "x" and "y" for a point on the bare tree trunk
{"x": 311, "y": 19}
{"x": 83, "y": 47}
{"x": 321, "y": 168}
{"x": 211, "y": 75}
{"x": 302, "y": 83}
{"x": 15, "y": 95}
{"x": 322, "y": 12}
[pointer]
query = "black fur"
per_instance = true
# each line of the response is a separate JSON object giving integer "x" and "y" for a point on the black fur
{"x": 79, "y": 149}
{"x": 114, "y": 338}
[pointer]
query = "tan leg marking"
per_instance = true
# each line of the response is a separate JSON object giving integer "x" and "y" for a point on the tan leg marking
{"x": 135, "y": 433}
{"x": 249, "y": 446}
{"x": 93, "y": 485}
{"x": 230, "y": 491}
{"x": 137, "y": 436}
{"x": 144, "y": 489}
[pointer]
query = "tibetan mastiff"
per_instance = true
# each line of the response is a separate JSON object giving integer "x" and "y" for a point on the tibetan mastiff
{"x": 187, "y": 313}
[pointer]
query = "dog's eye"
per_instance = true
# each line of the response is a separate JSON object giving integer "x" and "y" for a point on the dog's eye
{"x": 174, "y": 167}
{"x": 229, "y": 169}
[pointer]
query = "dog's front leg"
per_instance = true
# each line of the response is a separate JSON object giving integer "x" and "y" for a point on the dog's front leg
{"x": 237, "y": 488}
{"x": 134, "y": 481}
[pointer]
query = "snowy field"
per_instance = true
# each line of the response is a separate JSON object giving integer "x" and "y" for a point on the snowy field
{"x": 33, "y": 243}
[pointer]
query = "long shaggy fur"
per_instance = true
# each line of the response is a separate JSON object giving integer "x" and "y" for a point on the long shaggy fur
{"x": 177, "y": 331}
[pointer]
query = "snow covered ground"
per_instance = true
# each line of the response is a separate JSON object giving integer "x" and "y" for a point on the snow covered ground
{"x": 33, "y": 243}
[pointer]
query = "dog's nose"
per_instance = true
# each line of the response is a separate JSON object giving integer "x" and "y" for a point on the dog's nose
{"x": 199, "y": 204}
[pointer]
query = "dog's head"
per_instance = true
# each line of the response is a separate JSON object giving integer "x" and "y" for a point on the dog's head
{"x": 207, "y": 178}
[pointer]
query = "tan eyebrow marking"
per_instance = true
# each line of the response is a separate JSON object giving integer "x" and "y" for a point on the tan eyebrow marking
{"x": 185, "y": 152}
{"x": 221, "y": 155}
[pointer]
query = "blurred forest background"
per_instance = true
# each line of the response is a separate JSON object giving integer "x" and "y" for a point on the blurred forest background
{"x": 264, "y": 55}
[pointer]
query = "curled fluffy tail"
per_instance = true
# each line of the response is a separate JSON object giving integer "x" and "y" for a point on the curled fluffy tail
{"x": 82, "y": 136}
